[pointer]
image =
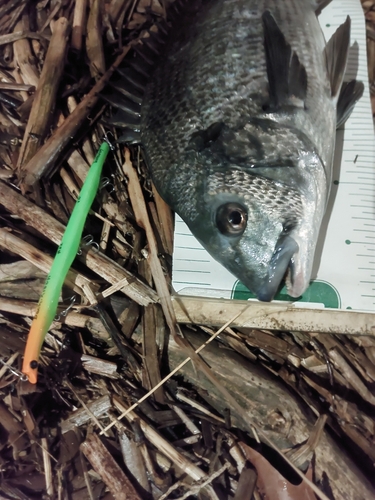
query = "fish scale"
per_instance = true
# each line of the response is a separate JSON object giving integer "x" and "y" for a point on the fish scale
{"x": 248, "y": 86}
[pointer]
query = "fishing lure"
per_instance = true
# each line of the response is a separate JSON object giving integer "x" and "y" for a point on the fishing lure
{"x": 64, "y": 258}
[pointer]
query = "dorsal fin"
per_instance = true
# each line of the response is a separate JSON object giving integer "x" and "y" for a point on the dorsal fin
{"x": 336, "y": 52}
{"x": 287, "y": 77}
{"x": 350, "y": 94}
{"x": 126, "y": 90}
{"x": 320, "y": 5}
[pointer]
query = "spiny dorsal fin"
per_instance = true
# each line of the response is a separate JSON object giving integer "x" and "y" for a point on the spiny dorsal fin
{"x": 337, "y": 56}
{"x": 287, "y": 77}
{"x": 320, "y": 5}
{"x": 350, "y": 94}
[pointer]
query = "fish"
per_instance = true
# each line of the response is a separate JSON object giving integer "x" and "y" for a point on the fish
{"x": 235, "y": 104}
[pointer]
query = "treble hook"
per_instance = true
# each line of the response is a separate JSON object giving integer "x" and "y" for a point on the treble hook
{"x": 65, "y": 311}
{"x": 106, "y": 182}
{"x": 22, "y": 376}
{"x": 88, "y": 240}
{"x": 106, "y": 134}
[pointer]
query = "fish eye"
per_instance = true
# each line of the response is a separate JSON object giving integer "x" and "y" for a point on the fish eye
{"x": 231, "y": 219}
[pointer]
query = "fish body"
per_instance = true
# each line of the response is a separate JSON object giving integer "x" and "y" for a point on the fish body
{"x": 237, "y": 125}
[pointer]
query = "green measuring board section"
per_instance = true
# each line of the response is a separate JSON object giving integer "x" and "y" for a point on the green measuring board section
{"x": 319, "y": 292}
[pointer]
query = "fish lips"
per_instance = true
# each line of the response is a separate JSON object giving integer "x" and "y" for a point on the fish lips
{"x": 281, "y": 262}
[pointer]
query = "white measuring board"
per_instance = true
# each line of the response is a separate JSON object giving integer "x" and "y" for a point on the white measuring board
{"x": 344, "y": 269}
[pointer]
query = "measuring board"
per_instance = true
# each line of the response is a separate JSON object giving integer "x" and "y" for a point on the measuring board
{"x": 344, "y": 268}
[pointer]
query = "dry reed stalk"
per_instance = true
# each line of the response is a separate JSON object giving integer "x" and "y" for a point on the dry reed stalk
{"x": 162, "y": 444}
{"x": 72, "y": 319}
{"x": 47, "y": 468}
{"x": 117, "y": 7}
{"x": 45, "y": 96}
{"x": 44, "y": 161}
{"x": 94, "y": 42}
{"x": 78, "y": 24}
{"x": 96, "y": 408}
{"x": 104, "y": 236}
{"x": 102, "y": 367}
{"x": 18, "y": 35}
{"x": 78, "y": 165}
{"x": 133, "y": 459}
{"x": 54, "y": 230}
{"x": 25, "y": 60}
{"x": 51, "y": 15}
{"x": 111, "y": 474}
{"x": 24, "y": 95}
{"x": 142, "y": 219}
{"x": 16, "y": 86}
{"x": 11, "y": 20}
{"x": 165, "y": 221}
{"x": 36, "y": 257}
{"x": 86, "y": 476}
{"x": 150, "y": 352}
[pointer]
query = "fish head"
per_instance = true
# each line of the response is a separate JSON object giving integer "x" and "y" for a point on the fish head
{"x": 248, "y": 223}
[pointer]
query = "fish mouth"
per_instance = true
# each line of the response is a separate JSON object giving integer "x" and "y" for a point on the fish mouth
{"x": 282, "y": 262}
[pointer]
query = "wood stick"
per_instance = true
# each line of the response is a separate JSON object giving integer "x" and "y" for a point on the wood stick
{"x": 162, "y": 444}
{"x": 97, "y": 407}
{"x": 78, "y": 165}
{"x": 45, "y": 160}
{"x": 116, "y": 7}
{"x": 150, "y": 351}
{"x": 20, "y": 270}
{"x": 45, "y": 96}
{"x": 272, "y": 316}
{"x": 73, "y": 319}
{"x": 43, "y": 261}
{"x": 47, "y": 468}
{"x": 94, "y": 42}
{"x": 142, "y": 219}
{"x": 133, "y": 459}
{"x": 97, "y": 262}
{"x": 107, "y": 468}
{"x": 102, "y": 367}
{"x": 19, "y": 35}
{"x": 16, "y": 86}
{"x": 87, "y": 149}
{"x": 78, "y": 24}
{"x": 24, "y": 59}
{"x": 165, "y": 220}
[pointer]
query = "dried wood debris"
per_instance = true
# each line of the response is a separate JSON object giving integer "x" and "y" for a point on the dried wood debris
{"x": 107, "y": 419}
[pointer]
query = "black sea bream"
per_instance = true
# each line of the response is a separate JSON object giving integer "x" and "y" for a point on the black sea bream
{"x": 237, "y": 124}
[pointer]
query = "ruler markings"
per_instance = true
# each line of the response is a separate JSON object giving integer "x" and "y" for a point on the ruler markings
{"x": 193, "y": 260}
{"x": 191, "y": 283}
{"x": 193, "y": 271}
{"x": 190, "y": 248}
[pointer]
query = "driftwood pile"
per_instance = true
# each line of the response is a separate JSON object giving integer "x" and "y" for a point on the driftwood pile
{"x": 107, "y": 419}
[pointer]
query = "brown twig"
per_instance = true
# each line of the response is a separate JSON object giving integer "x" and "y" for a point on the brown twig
{"x": 44, "y": 161}
{"x": 45, "y": 95}
{"x": 47, "y": 467}
{"x": 25, "y": 60}
{"x": 107, "y": 468}
{"x": 72, "y": 319}
{"x": 94, "y": 42}
{"x": 35, "y": 256}
{"x": 78, "y": 24}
